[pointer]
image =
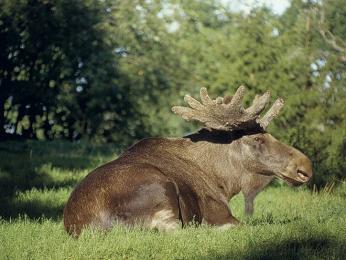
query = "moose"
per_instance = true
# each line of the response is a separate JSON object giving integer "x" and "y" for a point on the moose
{"x": 167, "y": 183}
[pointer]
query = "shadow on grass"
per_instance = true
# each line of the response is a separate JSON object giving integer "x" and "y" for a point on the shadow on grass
{"x": 21, "y": 170}
{"x": 307, "y": 248}
{"x": 35, "y": 209}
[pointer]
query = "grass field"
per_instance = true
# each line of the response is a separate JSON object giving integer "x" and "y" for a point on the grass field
{"x": 36, "y": 179}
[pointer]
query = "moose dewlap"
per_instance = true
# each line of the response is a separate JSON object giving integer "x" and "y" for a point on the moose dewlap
{"x": 166, "y": 183}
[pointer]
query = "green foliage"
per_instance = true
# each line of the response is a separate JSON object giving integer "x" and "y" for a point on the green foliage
{"x": 58, "y": 73}
{"x": 110, "y": 71}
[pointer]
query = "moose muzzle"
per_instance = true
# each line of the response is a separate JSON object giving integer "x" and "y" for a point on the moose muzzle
{"x": 299, "y": 169}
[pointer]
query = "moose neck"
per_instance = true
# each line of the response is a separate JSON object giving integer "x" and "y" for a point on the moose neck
{"x": 218, "y": 154}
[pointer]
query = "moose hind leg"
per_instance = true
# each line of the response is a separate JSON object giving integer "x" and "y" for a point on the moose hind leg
{"x": 166, "y": 216}
{"x": 151, "y": 203}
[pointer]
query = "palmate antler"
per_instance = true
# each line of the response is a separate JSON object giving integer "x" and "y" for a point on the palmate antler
{"x": 228, "y": 113}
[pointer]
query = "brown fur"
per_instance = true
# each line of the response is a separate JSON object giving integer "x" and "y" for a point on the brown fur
{"x": 166, "y": 183}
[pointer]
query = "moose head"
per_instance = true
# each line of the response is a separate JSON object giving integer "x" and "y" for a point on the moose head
{"x": 165, "y": 183}
{"x": 258, "y": 151}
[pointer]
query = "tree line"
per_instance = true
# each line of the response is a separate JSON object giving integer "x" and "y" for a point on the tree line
{"x": 109, "y": 71}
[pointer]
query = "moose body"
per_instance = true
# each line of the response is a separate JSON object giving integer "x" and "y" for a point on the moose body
{"x": 166, "y": 183}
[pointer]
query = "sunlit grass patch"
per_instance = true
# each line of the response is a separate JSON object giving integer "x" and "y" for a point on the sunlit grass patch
{"x": 302, "y": 239}
{"x": 295, "y": 224}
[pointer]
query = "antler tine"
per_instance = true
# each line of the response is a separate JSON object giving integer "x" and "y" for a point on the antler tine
{"x": 206, "y": 100}
{"x": 193, "y": 103}
{"x": 258, "y": 104}
{"x": 238, "y": 97}
{"x": 219, "y": 100}
{"x": 190, "y": 114}
{"x": 271, "y": 113}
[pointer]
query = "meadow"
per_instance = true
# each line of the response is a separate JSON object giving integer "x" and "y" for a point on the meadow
{"x": 36, "y": 179}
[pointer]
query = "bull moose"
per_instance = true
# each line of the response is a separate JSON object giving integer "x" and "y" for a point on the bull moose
{"x": 166, "y": 183}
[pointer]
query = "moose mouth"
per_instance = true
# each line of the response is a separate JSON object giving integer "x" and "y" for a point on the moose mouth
{"x": 301, "y": 178}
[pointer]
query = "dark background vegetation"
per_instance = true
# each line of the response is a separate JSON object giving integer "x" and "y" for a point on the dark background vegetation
{"x": 109, "y": 71}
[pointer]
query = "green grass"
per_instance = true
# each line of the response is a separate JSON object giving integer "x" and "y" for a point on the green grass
{"x": 37, "y": 178}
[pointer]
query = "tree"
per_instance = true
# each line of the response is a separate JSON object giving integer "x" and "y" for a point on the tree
{"x": 55, "y": 58}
